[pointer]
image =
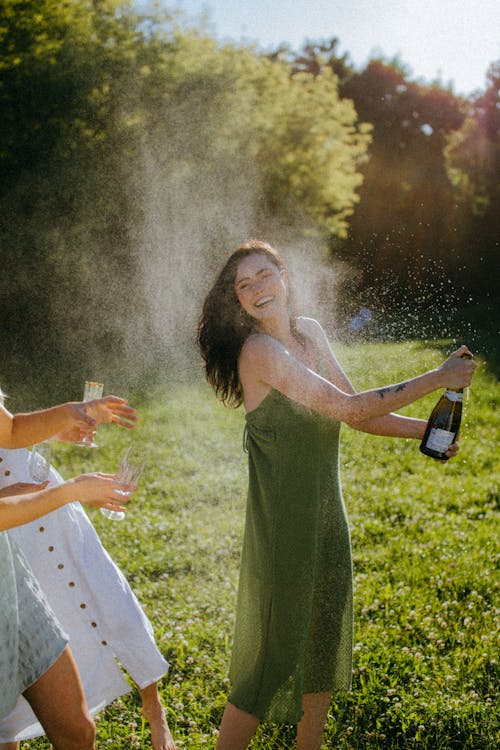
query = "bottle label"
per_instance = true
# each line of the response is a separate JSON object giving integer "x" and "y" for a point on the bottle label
{"x": 440, "y": 440}
{"x": 454, "y": 396}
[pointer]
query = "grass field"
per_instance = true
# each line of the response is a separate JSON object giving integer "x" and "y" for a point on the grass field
{"x": 425, "y": 547}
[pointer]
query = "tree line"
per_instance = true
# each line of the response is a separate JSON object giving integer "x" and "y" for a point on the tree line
{"x": 428, "y": 214}
{"x": 134, "y": 155}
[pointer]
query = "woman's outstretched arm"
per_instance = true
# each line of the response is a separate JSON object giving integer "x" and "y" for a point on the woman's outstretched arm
{"x": 265, "y": 361}
{"x": 389, "y": 425}
{"x": 93, "y": 489}
{"x": 21, "y": 430}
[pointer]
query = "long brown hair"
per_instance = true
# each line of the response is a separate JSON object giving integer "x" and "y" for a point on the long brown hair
{"x": 224, "y": 325}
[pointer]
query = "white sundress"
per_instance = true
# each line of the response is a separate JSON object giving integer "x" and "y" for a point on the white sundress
{"x": 31, "y": 639}
{"x": 91, "y": 599}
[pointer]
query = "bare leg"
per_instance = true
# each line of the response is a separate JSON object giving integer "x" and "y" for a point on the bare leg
{"x": 58, "y": 700}
{"x": 237, "y": 729}
{"x": 312, "y": 724}
{"x": 154, "y": 713}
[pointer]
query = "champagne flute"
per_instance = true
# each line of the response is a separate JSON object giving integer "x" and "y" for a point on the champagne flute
{"x": 129, "y": 473}
{"x": 39, "y": 462}
{"x": 91, "y": 390}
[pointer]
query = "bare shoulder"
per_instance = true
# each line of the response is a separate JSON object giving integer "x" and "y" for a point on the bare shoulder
{"x": 257, "y": 365}
{"x": 311, "y": 328}
{"x": 259, "y": 343}
{"x": 317, "y": 334}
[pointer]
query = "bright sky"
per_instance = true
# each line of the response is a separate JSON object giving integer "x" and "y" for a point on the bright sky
{"x": 450, "y": 40}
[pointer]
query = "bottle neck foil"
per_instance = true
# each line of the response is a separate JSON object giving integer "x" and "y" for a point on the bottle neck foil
{"x": 454, "y": 395}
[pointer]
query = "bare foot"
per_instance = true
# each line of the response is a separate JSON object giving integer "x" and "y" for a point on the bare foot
{"x": 161, "y": 739}
{"x": 154, "y": 713}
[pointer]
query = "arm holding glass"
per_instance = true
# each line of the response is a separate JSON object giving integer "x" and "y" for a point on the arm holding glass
{"x": 18, "y": 506}
{"x": 71, "y": 420}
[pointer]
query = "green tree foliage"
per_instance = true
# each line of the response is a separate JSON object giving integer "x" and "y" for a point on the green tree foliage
{"x": 473, "y": 151}
{"x": 296, "y": 133}
{"x": 423, "y": 233}
{"x": 134, "y": 154}
{"x": 406, "y": 220}
{"x": 63, "y": 195}
{"x": 473, "y": 161}
{"x": 305, "y": 142}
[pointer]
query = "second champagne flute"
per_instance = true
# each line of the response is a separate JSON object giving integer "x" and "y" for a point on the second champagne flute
{"x": 39, "y": 462}
{"x": 129, "y": 473}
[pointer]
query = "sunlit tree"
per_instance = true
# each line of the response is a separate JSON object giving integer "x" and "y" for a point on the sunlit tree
{"x": 473, "y": 161}
{"x": 128, "y": 140}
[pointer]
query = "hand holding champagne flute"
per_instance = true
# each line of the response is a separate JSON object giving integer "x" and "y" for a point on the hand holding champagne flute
{"x": 39, "y": 462}
{"x": 128, "y": 474}
{"x": 95, "y": 406}
{"x": 91, "y": 390}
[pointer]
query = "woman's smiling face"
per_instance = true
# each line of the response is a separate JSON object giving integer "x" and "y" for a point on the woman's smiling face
{"x": 260, "y": 287}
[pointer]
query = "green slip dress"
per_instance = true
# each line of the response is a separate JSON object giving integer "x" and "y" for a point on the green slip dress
{"x": 294, "y": 618}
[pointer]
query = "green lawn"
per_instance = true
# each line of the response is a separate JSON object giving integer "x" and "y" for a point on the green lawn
{"x": 425, "y": 546}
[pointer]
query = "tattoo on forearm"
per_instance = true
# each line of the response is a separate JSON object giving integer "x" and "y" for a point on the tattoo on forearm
{"x": 397, "y": 389}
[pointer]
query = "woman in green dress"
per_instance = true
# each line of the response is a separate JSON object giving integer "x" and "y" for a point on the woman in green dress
{"x": 293, "y": 634}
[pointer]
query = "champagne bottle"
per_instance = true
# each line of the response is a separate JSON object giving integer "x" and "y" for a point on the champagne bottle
{"x": 444, "y": 424}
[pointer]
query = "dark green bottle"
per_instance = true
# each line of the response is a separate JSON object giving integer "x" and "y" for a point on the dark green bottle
{"x": 444, "y": 423}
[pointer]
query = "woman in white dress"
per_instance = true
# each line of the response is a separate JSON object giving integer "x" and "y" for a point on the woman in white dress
{"x": 94, "y": 604}
{"x": 35, "y": 658}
